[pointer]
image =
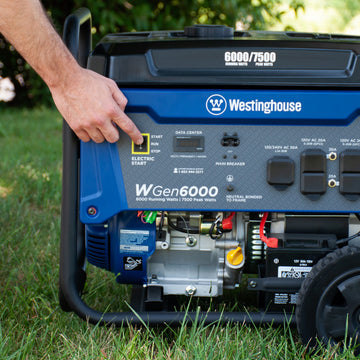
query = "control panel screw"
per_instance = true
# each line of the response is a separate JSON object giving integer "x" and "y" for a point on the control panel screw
{"x": 190, "y": 290}
{"x": 253, "y": 284}
{"x": 190, "y": 241}
{"x": 91, "y": 211}
{"x": 229, "y": 188}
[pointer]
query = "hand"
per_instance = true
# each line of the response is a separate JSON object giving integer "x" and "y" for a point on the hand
{"x": 91, "y": 104}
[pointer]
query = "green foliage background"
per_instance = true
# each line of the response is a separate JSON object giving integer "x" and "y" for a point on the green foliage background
{"x": 136, "y": 15}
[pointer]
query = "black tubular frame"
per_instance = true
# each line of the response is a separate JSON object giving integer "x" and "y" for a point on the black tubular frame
{"x": 77, "y": 37}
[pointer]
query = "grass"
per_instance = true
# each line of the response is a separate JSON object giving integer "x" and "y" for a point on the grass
{"x": 32, "y": 325}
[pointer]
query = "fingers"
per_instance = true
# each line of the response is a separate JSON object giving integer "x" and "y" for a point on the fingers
{"x": 96, "y": 135}
{"x": 118, "y": 96}
{"x": 122, "y": 120}
{"x": 87, "y": 130}
{"x": 110, "y": 132}
{"x": 83, "y": 135}
{"x": 125, "y": 123}
{"x": 100, "y": 131}
{"x": 105, "y": 128}
{"x": 92, "y": 106}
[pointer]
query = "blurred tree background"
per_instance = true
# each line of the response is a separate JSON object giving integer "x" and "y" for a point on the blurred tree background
{"x": 136, "y": 15}
{"x": 325, "y": 16}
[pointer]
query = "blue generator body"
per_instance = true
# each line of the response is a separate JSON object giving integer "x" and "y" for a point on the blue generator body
{"x": 250, "y": 165}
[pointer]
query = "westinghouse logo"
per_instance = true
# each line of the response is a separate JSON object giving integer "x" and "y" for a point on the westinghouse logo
{"x": 216, "y": 104}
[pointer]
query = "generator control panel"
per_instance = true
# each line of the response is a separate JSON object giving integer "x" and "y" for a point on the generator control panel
{"x": 253, "y": 122}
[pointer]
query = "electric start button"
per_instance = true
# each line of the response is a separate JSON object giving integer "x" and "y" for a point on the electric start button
{"x": 144, "y": 148}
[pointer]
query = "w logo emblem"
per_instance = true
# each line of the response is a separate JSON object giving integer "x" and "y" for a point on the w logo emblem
{"x": 216, "y": 104}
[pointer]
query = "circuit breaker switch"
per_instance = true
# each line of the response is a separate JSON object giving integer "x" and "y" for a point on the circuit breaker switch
{"x": 230, "y": 140}
{"x": 235, "y": 257}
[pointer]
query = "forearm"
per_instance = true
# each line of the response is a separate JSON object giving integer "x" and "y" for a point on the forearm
{"x": 36, "y": 39}
{"x": 90, "y": 103}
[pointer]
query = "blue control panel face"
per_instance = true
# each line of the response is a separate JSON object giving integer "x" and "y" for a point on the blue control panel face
{"x": 242, "y": 150}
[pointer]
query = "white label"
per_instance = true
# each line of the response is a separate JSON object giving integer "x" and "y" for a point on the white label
{"x": 293, "y": 272}
{"x": 134, "y": 240}
{"x": 244, "y": 58}
{"x": 134, "y": 248}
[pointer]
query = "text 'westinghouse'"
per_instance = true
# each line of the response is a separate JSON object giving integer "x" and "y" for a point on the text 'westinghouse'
{"x": 267, "y": 107}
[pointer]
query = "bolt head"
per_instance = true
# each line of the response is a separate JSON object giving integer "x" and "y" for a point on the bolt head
{"x": 253, "y": 284}
{"x": 190, "y": 241}
{"x": 190, "y": 290}
{"x": 229, "y": 188}
{"x": 91, "y": 211}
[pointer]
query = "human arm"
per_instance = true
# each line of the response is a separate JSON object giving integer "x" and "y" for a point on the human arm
{"x": 89, "y": 102}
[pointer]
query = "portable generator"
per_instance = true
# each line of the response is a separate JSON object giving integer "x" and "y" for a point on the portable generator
{"x": 250, "y": 165}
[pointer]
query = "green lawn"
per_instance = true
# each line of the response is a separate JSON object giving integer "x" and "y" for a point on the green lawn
{"x": 32, "y": 325}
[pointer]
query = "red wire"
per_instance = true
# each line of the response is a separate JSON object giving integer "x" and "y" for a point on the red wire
{"x": 227, "y": 222}
{"x": 141, "y": 215}
{"x": 270, "y": 242}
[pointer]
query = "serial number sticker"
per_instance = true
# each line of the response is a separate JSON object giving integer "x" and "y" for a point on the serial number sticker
{"x": 244, "y": 58}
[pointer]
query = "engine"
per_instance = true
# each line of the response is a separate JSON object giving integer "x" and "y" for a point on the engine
{"x": 203, "y": 253}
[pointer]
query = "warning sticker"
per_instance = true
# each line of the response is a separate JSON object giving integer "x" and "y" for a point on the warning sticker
{"x": 293, "y": 272}
{"x": 132, "y": 263}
